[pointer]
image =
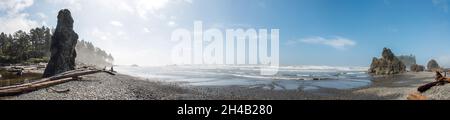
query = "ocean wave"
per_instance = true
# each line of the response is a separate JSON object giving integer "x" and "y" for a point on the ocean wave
{"x": 304, "y": 72}
{"x": 324, "y": 68}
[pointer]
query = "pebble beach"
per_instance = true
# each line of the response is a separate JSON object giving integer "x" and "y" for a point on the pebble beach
{"x": 103, "y": 86}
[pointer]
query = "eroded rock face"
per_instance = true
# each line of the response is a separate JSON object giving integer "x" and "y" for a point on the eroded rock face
{"x": 63, "y": 44}
{"x": 417, "y": 68}
{"x": 388, "y": 64}
{"x": 433, "y": 65}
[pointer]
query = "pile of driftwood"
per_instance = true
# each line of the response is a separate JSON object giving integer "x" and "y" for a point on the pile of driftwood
{"x": 440, "y": 80}
{"x": 47, "y": 82}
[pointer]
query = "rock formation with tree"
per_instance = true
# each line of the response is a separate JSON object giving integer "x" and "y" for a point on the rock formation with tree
{"x": 388, "y": 64}
{"x": 62, "y": 47}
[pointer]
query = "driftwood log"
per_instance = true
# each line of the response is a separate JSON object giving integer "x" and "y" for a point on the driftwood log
{"x": 440, "y": 80}
{"x": 416, "y": 96}
{"x": 47, "y": 82}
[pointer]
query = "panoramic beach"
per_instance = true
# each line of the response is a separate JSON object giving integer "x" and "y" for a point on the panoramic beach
{"x": 224, "y": 59}
{"x": 152, "y": 50}
{"x": 102, "y": 86}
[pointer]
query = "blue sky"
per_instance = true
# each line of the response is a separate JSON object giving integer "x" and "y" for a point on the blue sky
{"x": 312, "y": 32}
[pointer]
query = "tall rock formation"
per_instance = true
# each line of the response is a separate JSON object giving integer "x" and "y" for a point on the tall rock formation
{"x": 433, "y": 65}
{"x": 63, "y": 44}
{"x": 386, "y": 65}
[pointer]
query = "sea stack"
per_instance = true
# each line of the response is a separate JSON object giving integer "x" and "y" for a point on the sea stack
{"x": 388, "y": 64}
{"x": 62, "y": 47}
{"x": 433, "y": 66}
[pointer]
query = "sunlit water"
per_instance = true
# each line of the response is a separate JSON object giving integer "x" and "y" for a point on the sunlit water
{"x": 288, "y": 77}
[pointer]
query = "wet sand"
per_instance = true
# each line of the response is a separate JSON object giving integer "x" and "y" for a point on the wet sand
{"x": 394, "y": 87}
{"x": 102, "y": 86}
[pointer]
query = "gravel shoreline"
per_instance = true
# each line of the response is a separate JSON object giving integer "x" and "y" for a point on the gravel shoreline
{"x": 102, "y": 86}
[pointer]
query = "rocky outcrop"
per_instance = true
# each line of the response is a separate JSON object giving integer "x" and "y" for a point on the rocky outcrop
{"x": 408, "y": 60}
{"x": 63, "y": 44}
{"x": 388, "y": 64}
{"x": 433, "y": 65}
{"x": 417, "y": 68}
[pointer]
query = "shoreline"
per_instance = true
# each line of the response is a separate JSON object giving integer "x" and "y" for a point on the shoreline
{"x": 101, "y": 86}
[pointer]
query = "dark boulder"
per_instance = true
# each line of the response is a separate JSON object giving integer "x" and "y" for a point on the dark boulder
{"x": 417, "y": 68}
{"x": 63, "y": 44}
{"x": 386, "y": 65}
{"x": 433, "y": 65}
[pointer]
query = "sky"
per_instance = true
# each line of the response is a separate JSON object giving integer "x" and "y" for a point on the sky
{"x": 312, "y": 32}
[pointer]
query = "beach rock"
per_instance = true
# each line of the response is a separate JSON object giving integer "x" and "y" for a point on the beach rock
{"x": 63, "y": 44}
{"x": 417, "y": 68}
{"x": 433, "y": 65}
{"x": 388, "y": 64}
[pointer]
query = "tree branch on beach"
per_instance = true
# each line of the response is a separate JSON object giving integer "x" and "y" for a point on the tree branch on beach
{"x": 440, "y": 80}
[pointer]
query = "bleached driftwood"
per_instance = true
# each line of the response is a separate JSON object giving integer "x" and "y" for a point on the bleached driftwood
{"x": 440, "y": 80}
{"x": 46, "y": 82}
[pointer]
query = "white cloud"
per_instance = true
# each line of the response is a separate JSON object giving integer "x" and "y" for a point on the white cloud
{"x": 444, "y": 61}
{"x": 172, "y": 24}
{"x": 69, "y": 4}
{"x": 42, "y": 15}
{"x": 188, "y": 1}
{"x": 116, "y": 23}
{"x": 442, "y": 4}
{"x": 146, "y": 30}
{"x": 14, "y": 23}
{"x": 14, "y": 18}
{"x": 15, "y": 6}
{"x": 173, "y": 17}
{"x": 125, "y": 7}
{"x": 123, "y": 27}
{"x": 335, "y": 42}
{"x": 144, "y": 7}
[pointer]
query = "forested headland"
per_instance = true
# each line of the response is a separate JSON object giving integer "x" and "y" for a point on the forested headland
{"x": 33, "y": 47}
